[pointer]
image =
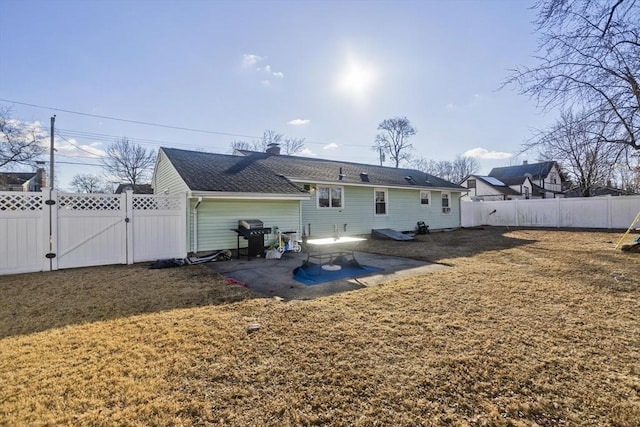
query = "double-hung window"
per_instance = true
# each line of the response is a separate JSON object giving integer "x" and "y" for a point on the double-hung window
{"x": 446, "y": 208}
{"x": 330, "y": 197}
{"x": 380, "y": 202}
{"x": 425, "y": 198}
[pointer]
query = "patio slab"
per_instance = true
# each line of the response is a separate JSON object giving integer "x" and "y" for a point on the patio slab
{"x": 274, "y": 277}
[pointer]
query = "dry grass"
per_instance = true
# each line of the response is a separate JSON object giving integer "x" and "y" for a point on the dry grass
{"x": 530, "y": 327}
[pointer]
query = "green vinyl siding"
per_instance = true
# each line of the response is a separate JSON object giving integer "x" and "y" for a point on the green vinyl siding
{"x": 357, "y": 216}
{"x": 217, "y": 219}
{"x": 166, "y": 180}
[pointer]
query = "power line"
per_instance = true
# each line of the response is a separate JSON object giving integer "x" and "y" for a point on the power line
{"x": 129, "y": 120}
{"x": 167, "y": 126}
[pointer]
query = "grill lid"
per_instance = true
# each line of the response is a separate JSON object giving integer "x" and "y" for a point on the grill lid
{"x": 250, "y": 224}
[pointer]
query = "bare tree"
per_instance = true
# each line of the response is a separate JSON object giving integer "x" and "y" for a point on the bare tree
{"x": 454, "y": 171}
{"x": 394, "y": 139}
{"x": 462, "y": 167}
{"x": 87, "y": 183}
{"x": 20, "y": 143}
{"x": 576, "y": 144}
{"x": 589, "y": 57}
{"x": 129, "y": 162}
{"x": 292, "y": 146}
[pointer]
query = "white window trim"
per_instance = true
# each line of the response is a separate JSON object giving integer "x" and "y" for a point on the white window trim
{"x": 386, "y": 201}
{"x": 428, "y": 197}
{"x": 329, "y": 207}
{"x": 442, "y": 208}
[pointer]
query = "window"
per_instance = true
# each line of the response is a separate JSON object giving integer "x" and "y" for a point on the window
{"x": 425, "y": 198}
{"x": 446, "y": 209}
{"x": 329, "y": 197}
{"x": 471, "y": 183}
{"x": 381, "y": 202}
{"x": 527, "y": 192}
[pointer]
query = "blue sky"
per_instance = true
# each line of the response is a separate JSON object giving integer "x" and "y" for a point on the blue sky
{"x": 327, "y": 71}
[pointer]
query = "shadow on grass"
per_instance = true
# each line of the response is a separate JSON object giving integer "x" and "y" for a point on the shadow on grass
{"x": 443, "y": 245}
{"x": 41, "y": 301}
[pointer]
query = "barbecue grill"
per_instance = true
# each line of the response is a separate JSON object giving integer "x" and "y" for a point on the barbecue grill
{"x": 252, "y": 230}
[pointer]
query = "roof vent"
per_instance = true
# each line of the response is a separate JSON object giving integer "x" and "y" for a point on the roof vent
{"x": 341, "y": 175}
{"x": 410, "y": 180}
{"x": 364, "y": 177}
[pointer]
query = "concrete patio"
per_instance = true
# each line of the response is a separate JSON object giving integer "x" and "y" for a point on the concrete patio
{"x": 274, "y": 277}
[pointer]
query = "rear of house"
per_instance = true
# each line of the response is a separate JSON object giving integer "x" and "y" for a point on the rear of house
{"x": 313, "y": 196}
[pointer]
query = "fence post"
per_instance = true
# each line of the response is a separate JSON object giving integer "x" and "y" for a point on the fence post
{"x": 609, "y": 212}
{"x": 50, "y": 211}
{"x": 515, "y": 209}
{"x": 558, "y": 209}
{"x": 127, "y": 198}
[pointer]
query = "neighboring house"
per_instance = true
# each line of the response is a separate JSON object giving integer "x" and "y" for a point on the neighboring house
{"x": 22, "y": 181}
{"x": 607, "y": 190}
{"x": 317, "y": 197}
{"x": 137, "y": 188}
{"x": 490, "y": 188}
{"x": 545, "y": 177}
{"x": 525, "y": 181}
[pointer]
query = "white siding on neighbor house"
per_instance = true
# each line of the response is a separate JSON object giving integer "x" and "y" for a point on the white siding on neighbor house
{"x": 166, "y": 180}
{"x": 357, "y": 216}
{"x": 217, "y": 218}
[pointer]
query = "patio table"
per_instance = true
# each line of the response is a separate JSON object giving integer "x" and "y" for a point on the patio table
{"x": 330, "y": 248}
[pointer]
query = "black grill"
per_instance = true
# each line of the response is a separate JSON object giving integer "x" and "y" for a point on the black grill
{"x": 252, "y": 230}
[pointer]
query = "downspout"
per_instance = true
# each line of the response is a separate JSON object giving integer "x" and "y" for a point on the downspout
{"x": 195, "y": 225}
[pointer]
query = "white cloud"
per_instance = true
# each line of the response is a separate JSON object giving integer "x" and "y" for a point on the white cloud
{"x": 307, "y": 153}
{"x": 266, "y": 69}
{"x": 298, "y": 122}
{"x": 71, "y": 148}
{"x": 482, "y": 153}
{"x": 331, "y": 146}
{"x": 265, "y": 83}
{"x": 249, "y": 60}
{"x": 279, "y": 74}
{"x": 450, "y": 106}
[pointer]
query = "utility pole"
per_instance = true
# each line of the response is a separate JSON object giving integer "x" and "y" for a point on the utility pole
{"x": 53, "y": 122}
{"x": 381, "y": 154}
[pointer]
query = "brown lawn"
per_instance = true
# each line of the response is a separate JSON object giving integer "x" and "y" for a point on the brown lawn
{"x": 528, "y": 327}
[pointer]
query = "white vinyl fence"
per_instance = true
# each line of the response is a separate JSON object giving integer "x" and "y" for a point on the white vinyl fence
{"x": 51, "y": 230}
{"x": 606, "y": 212}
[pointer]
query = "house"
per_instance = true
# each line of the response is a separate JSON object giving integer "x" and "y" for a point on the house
{"x": 546, "y": 178}
{"x": 136, "y": 188}
{"x": 22, "y": 181}
{"x": 490, "y": 188}
{"x": 526, "y": 181}
{"x": 315, "y": 196}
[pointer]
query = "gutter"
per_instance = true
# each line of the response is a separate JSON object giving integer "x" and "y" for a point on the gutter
{"x": 195, "y": 225}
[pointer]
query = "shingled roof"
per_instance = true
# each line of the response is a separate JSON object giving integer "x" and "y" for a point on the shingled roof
{"x": 303, "y": 169}
{"x": 255, "y": 172}
{"x": 227, "y": 173}
{"x": 536, "y": 170}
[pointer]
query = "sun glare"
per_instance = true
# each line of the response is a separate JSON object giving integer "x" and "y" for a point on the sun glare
{"x": 357, "y": 79}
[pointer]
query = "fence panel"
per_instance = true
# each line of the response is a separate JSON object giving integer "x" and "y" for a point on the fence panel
{"x": 589, "y": 212}
{"x": 159, "y": 227}
{"x": 88, "y": 229}
{"x": 21, "y": 232}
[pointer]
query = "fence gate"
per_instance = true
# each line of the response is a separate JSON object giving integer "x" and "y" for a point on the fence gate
{"x": 92, "y": 229}
{"x": 88, "y": 229}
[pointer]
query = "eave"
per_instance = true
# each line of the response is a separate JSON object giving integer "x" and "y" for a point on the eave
{"x": 221, "y": 195}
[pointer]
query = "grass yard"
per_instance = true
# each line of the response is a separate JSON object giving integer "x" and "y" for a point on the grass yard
{"x": 528, "y": 328}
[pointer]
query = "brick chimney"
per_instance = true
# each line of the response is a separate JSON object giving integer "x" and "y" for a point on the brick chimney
{"x": 273, "y": 148}
{"x": 41, "y": 179}
{"x": 525, "y": 162}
